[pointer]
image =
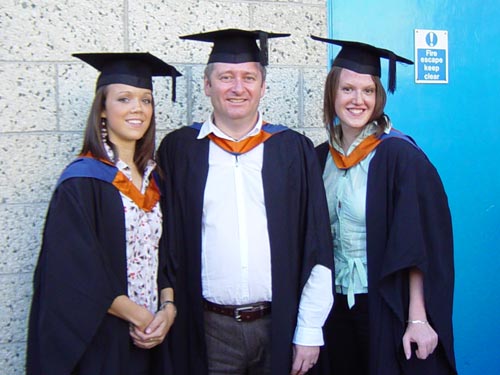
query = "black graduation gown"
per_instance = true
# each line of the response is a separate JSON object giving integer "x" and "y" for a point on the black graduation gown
{"x": 81, "y": 269}
{"x": 408, "y": 224}
{"x": 298, "y": 230}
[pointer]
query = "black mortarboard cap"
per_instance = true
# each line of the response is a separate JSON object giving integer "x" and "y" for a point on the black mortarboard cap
{"x": 365, "y": 59}
{"x": 236, "y": 46}
{"x": 130, "y": 68}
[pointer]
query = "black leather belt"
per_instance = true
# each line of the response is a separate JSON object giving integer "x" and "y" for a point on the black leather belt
{"x": 242, "y": 313}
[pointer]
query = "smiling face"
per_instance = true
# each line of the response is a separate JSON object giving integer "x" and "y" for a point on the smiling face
{"x": 235, "y": 91}
{"x": 354, "y": 101}
{"x": 128, "y": 111}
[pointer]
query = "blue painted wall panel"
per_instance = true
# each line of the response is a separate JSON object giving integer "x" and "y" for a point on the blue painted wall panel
{"x": 458, "y": 126}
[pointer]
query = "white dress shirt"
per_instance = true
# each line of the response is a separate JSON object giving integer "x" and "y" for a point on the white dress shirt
{"x": 236, "y": 255}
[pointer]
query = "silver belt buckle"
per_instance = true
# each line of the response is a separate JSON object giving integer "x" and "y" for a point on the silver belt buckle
{"x": 239, "y": 310}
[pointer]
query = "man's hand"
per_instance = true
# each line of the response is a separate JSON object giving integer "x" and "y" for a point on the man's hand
{"x": 304, "y": 358}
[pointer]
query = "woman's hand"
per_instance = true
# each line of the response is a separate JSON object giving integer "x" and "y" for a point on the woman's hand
{"x": 418, "y": 330}
{"x": 422, "y": 334}
{"x": 155, "y": 332}
{"x": 124, "y": 308}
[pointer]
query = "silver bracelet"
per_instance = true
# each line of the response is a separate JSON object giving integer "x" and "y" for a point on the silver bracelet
{"x": 417, "y": 321}
{"x": 167, "y": 302}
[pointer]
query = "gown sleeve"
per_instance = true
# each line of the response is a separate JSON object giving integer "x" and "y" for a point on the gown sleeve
{"x": 409, "y": 225}
{"x": 76, "y": 279}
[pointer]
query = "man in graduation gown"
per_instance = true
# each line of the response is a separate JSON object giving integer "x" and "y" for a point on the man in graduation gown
{"x": 250, "y": 252}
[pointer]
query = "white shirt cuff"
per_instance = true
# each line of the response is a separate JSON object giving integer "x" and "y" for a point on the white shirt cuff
{"x": 308, "y": 336}
{"x": 315, "y": 304}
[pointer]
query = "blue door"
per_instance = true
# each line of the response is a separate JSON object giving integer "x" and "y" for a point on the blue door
{"x": 458, "y": 125}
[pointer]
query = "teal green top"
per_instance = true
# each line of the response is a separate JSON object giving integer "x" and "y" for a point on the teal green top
{"x": 346, "y": 195}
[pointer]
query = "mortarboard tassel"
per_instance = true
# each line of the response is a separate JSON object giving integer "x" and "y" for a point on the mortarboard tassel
{"x": 392, "y": 75}
{"x": 264, "y": 55}
{"x": 174, "y": 86}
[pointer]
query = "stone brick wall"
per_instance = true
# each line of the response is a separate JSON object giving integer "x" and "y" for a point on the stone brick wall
{"x": 45, "y": 95}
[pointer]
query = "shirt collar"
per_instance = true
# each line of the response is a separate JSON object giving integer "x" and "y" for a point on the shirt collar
{"x": 125, "y": 169}
{"x": 210, "y": 127}
{"x": 368, "y": 130}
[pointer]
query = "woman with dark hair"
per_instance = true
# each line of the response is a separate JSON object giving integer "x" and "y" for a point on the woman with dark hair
{"x": 391, "y": 226}
{"x": 102, "y": 303}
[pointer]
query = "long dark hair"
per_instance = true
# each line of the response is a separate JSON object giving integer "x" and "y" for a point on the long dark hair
{"x": 330, "y": 116}
{"x": 92, "y": 139}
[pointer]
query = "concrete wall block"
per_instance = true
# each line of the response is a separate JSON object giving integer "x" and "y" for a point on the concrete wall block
{"x": 280, "y": 104}
{"x": 309, "y": 2}
{"x": 12, "y": 358}
{"x": 201, "y": 107}
{"x": 299, "y": 20}
{"x": 170, "y": 115}
{"x": 27, "y": 97}
{"x": 159, "y": 137}
{"x": 76, "y": 91}
{"x": 15, "y": 304}
{"x": 51, "y": 30}
{"x": 321, "y": 3}
{"x": 156, "y": 26}
{"x": 317, "y": 135}
{"x": 314, "y": 81}
{"x": 20, "y": 235}
{"x": 31, "y": 163}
